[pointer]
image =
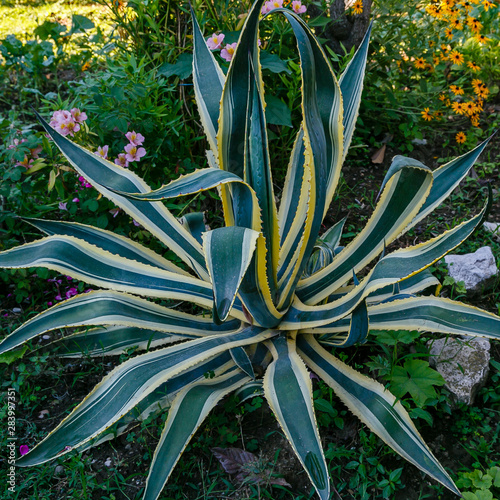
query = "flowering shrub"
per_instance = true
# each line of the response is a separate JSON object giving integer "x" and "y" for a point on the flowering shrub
{"x": 434, "y": 62}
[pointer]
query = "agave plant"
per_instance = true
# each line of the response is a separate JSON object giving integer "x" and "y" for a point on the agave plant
{"x": 274, "y": 294}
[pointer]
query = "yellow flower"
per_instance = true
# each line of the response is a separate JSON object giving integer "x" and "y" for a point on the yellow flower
{"x": 436, "y": 60}
{"x": 86, "y": 66}
{"x": 474, "y": 119}
{"x": 442, "y": 97}
{"x": 457, "y": 24}
{"x": 358, "y": 7}
{"x": 473, "y": 66}
{"x": 456, "y": 90}
{"x": 488, "y": 5}
{"x": 467, "y": 6}
{"x": 438, "y": 115}
{"x": 458, "y": 107}
{"x": 432, "y": 43}
{"x": 460, "y": 138}
{"x": 480, "y": 88}
{"x": 479, "y": 105}
{"x": 482, "y": 38}
{"x": 456, "y": 58}
{"x": 448, "y": 33}
{"x": 419, "y": 63}
{"x": 426, "y": 114}
{"x": 470, "y": 107}
{"x": 474, "y": 24}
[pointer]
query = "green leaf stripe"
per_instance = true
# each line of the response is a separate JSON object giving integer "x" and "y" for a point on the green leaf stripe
{"x": 401, "y": 199}
{"x": 392, "y": 268}
{"x": 208, "y": 81}
{"x": 189, "y": 409}
{"x": 162, "y": 397}
{"x": 351, "y": 86}
{"x": 228, "y": 252}
{"x": 111, "y": 341}
{"x": 106, "y": 240}
{"x": 69, "y": 255}
{"x": 114, "y": 308}
{"x": 288, "y": 390}
{"x": 106, "y": 176}
{"x": 434, "y": 314}
{"x": 128, "y": 384}
{"x": 374, "y": 406}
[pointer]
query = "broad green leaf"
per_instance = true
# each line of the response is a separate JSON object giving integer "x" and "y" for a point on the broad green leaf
{"x": 403, "y": 195}
{"x": 351, "y": 86}
{"x": 273, "y": 63}
{"x": 277, "y": 112}
{"x": 288, "y": 390}
{"x": 114, "y": 308}
{"x": 208, "y": 81}
{"x": 228, "y": 252}
{"x": 106, "y": 240}
{"x": 417, "y": 378}
{"x": 374, "y": 406}
{"x": 183, "y": 67}
{"x": 127, "y": 385}
{"x": 109, "y": 178}
{"x": 392, "y": 268}
{"x": 190, "y": 407}
{"x": 111, "y": 341}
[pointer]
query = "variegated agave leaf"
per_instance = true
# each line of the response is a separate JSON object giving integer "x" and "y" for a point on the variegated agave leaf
{"x": 275, "y": 291}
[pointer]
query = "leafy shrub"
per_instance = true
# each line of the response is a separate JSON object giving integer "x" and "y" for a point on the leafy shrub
{"x": 280, "y": 297}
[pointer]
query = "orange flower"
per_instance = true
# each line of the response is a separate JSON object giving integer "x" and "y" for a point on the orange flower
{"x": 358, "y": 7}
{"x": 419, "y": 63}
{"x": 479, "y": 105}
{"x": 467, "y": 6}
{"x": 470, "y": 107}
{"x": 460, "y": 138}
{"x": 473, "y": 66}
{"x": 436, "y": 60}
{"x": 480, "y": 88}
{"x": 456, "y": 58}
{"x": 442, "y": 97}
{"x": 86, "y": 66}
{"x": 488, "y": 5}
{"x": 426, "y": 114}
{"x": 458, "y": 107}
{"x": 457, "y": 90}
{"x": 474, "y": 24}
{"x": 474, "y": 119}
{"x": 448, "y": 33}
{"x": 457, "y": 24}
{"x": 482, "y": 38}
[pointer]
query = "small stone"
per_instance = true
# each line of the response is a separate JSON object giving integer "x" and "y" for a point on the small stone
{"x": 46, "y": 337}
{"x": 59, "y": 472}
{"x": 494, "y": 228}
{"x": 477, "y": 270}
{"x": 463, "y": 363}
{"x": 419, "y": 142}
{"x": 108, "y": 462}
{"x": 17, "y": 310}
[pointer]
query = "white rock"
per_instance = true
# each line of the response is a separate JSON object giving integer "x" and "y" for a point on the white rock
{"x": 108, "y": 462}
{"x": 463, "y": 363}
{"x": 476, "y": 269}
{"x": 493, "y": 227}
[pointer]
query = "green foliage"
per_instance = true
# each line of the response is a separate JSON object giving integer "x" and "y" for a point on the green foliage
{"x": 269, "y": 299}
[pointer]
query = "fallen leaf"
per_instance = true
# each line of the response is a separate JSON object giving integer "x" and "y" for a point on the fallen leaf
{"x": 378, "y": 157}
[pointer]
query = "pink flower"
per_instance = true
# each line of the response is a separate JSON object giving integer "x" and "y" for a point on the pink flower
{"x": 271, "y": 5}
{"x": 16, "y": 143}
{"x": 135, "y": 138}
{"x": 75, "y": 200}
{"x": 122, "y": 160}
{"x": 227, "y": 52}
{"x": 102, "y": 152}
{"x": 25, "y": 163}
{"x": 215, "y": 41}
{"x": 62, "y": 206}
{"x": 115, "y": 211}
{"x": 59, "y": 116}
{"x": 297, "y": 7}
{"x": 67, "y": 127}
{"x": 71, "y": 292}
{"x": 35, "y": 153}
{"x": 23, "y": 449}
{"x": 84, "y": 183}
{"x": 78, "y": 116}
{"x": 134, "y": 154}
